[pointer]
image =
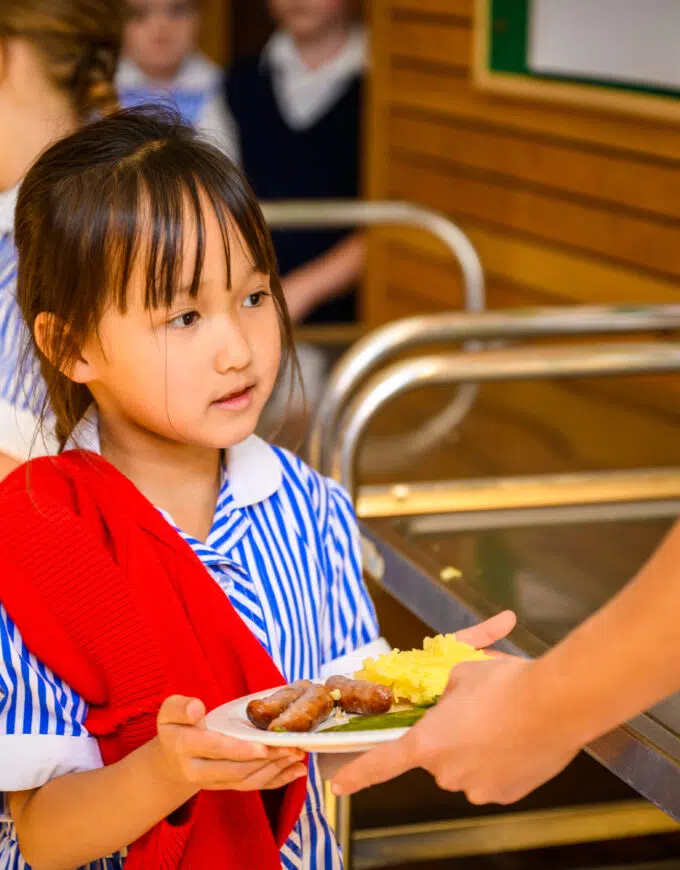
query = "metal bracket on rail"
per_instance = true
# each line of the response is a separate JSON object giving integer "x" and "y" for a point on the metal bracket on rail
{"x": 372, "y": 849}
{"x": 519, "y": 363}
{"x": 387, "y": 341}
{"x": 343, "y": 213}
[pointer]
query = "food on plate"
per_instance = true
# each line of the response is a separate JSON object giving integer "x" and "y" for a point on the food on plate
{"x": 310, "y": 709}
{"x": 397, "y": 719}
{"x": 263, "y": 712}
{"x": 360, "y": 696}
{"x": 417, "y": 676}
{"x": 420, "y": 675}
{"x": 303, "y": 705}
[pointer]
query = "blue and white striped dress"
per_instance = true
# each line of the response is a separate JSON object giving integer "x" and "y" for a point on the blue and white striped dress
{"x": 284, "y": 547}
{"x": 21, "y": 387}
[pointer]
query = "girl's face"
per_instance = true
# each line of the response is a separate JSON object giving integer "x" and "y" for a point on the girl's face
{"x": 307, "y": 19}
{"x": 160, "y": 34}
{"x": 200, "y": 372}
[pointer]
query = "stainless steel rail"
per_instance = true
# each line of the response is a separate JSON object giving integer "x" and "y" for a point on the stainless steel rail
{"x": 506, "y": 832}
{"x": 385, "y": 342}
{"x": 645, "y": 752}
{"x": 342, "y": 213}
{"x": 521, "y": 363}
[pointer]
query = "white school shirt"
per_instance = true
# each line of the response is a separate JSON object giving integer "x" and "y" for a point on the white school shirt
{"x": 284, "y": 547}
{"x": 197, "y": 92}
{"x": 302, "y": 94}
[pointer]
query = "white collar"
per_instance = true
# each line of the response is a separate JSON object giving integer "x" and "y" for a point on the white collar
{"x": 253, "y": 469}
{"x": 8, "y": 203}
{"x": 196, "y": 73}
{"x": 303, "y": 94}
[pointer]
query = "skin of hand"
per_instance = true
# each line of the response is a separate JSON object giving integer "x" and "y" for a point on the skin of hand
{"x": 505, "y": 727}
{"x": 76, "y": 818}
{"x": 484, "y": 699}
{"x": 486, "y": 737}
{"x": 190, "y": 754}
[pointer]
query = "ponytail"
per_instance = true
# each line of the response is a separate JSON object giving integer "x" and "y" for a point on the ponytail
{"x": 78, "y": 42}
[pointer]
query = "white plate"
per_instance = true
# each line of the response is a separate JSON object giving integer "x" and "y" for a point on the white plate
{"x": 231, "y": 719}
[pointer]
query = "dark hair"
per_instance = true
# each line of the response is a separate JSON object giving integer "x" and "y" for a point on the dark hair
{"x": 81, "y": 211}
{"x": 78, "y": 42}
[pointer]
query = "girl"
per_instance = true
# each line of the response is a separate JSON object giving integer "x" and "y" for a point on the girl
{"x": 57, "y": 61}
{"x": 161, "y": 63}
{"x": 148, "y": 282}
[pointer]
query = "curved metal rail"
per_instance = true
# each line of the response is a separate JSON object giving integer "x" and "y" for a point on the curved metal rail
{"x": 386, "y": 341}
{"x": 343, "y": 213}
{"x": 523, "y": 363}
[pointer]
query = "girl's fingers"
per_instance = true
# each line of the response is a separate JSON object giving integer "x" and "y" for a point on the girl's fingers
{"x": 272, "y": 775}
{"x": 198, "y": 743}
{"x": 210, "y": 774}
{"x": 295, "y": 771}
{"x": 179, "y": 710}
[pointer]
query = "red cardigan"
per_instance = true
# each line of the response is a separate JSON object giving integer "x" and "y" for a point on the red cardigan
{"x": 109, "y": 596}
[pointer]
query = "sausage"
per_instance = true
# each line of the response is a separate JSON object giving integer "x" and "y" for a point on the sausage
{"x": 361, "y": 696}
{"x": 263, "y": 711}
{"x": 307, "y": 712}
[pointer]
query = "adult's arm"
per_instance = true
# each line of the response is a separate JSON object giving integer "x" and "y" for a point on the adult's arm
{"x": 506, "y": 727}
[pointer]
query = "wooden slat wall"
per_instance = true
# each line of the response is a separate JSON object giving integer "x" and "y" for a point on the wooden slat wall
{"x": 563, "y": 205}
{"x": 215, "y": 32}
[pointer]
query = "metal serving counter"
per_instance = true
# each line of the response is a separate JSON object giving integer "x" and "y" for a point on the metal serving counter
{"x": 554, "y": 566}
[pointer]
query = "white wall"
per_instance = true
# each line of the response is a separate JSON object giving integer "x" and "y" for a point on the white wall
{"x": 635, "y": 42}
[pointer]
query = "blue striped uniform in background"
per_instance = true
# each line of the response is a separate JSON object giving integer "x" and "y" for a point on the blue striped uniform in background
{"x": 290, "y": 564}
{"x": 23, "y": 390}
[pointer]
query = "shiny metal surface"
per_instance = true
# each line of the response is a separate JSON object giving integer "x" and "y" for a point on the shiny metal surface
{"x": 554, "y": 576}
{"x": 385, "y": 342}
{"x": 506, "y": 832}
{"x": 355, "y": 213}
{"x": 504, "y": 493}
{"x": 519, "y": 363}
{"x": 339, "y": 213}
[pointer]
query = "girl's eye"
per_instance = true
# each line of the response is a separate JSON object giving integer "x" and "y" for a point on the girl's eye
{"x": 252, "y": 300}
{"x": 182, "y": 321}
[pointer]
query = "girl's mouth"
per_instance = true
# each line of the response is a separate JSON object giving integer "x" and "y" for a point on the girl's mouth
{"x": 237, "y": 401}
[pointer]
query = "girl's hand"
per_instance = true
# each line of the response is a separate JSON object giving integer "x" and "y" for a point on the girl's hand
{"x": 190, "y": 755}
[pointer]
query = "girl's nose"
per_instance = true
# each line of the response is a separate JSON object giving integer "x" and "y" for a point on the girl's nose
{"x": 233, "y": 351}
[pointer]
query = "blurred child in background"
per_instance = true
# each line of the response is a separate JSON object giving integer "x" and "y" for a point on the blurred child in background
{"x": 161, "y": 63}
{"x": 297, "y": 108}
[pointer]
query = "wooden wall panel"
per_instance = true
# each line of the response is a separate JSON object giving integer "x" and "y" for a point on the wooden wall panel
{"x": 215, "y": 33}
{"x": 564, "y": 205}
{"x": 575, "y": 205}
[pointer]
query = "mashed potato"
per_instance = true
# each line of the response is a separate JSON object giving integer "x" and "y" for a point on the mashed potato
{"x": 420, "y": 675}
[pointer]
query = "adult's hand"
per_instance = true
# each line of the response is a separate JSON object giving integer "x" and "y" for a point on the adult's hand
{"x": 489, "y": 736}
{"x": 486, "y": 633}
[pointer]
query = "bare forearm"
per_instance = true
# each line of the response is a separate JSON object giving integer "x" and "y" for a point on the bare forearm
{"x": 623, "y": 659}
{"x": 78, "y": 818}
{"x": 326, "y": 277}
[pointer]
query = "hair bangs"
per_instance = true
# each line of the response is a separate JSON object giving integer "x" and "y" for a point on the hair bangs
{"x": 152, "y": 212}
